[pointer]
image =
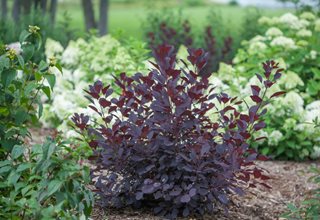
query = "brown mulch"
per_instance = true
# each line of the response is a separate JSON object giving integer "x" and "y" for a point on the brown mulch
{"x": 289, "y": 182}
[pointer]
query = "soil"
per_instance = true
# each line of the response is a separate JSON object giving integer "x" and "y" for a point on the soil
{"x": 289, "y": 181}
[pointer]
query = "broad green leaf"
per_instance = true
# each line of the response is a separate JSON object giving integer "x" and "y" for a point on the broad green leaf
{"x": 7, "y": 76}
{"x": 21, "y": 116}
{"x": 21, "y": 61}
{"x": 17, "y": 151}
{"x": 13, "y": 177}
{"x": 5, "y": 169}
{"x": 51, "y": 78}
{"x": 54, "y": 186}
{"x": 30, "y": 87}
{"x": 4, "y": 111}
{"x": 43, "y": 66}
{"x": 23, "y": 36}
{"x": 28, "y": 51}
{"x": 4, "y": 62}
{"x": 46, "y": 91}
{"x": 23, "y": 167}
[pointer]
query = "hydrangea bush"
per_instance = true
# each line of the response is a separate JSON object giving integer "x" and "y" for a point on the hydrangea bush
{"x": 156, "y": 145}
{"x": 84, "y": 62}
{"x": 295, "y": 43}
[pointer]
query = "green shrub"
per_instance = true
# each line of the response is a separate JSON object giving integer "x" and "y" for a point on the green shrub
{"x": 43, "y": 181}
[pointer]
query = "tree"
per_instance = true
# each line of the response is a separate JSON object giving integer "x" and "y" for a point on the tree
{"x": 16, "y": 9}
{"x": 53, "y": 10}
{"x": 89, "y": 17}
{"x": 88, "y": 14}
{"x": 103, "y": 21}
{"x": 4, "y": 9}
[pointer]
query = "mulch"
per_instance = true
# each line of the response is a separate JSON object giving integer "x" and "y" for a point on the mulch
{"x": 289, "y": 181}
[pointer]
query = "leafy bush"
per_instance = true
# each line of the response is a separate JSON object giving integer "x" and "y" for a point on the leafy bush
{"x": 40, "y": 181}
{"x": 296, "y": 41}
{"x": 44, "y": 182}
{"x": 156, "y": 146}
{"x": 21, "y": 83}
{"x": 171, "y": 28}
{"x": 82, "y": 66}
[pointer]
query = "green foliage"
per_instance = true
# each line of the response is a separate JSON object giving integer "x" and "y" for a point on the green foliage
{"x": 44, "y": 182}
{"x": 22, "y": 81}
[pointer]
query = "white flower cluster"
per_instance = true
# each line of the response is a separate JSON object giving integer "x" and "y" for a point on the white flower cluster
{"x": 284, "y": 42}
{"x": 83, "y": 63}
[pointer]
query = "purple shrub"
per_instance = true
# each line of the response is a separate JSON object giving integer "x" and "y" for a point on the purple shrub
{"x": 156, "y": 147}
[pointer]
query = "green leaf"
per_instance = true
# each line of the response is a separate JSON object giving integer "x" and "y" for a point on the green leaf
{"x": 40, "y": 109}
{"x": 21, "y": 61}
{"x": 54, "y": 186}
{"x": 28, "y": 51}
{"x": 21, "y": 116}
{"x": 5, "y": 169}
{"x": 30, "y": 87}
{"x": 59, "y": 67}
{"x": 43, "y": 66}
{"x": 13, "y": 177}
{"x": 316, "y": 73}
{"x": 17, "y": 151}
{"x": 4, "y": 111}
{"x": 23, "y": 36}
{"x": 23, "y": 167}
{"x": 4, "y": 62}
{"x": 46, "y": 91}
{"x": 7, "y": 76}
{"x": 51, "y": 80}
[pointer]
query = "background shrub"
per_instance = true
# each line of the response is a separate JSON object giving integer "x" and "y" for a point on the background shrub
{"x": 160, "y": 146}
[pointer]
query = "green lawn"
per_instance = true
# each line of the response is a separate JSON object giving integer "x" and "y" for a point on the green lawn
{"x": 129, "y": 17}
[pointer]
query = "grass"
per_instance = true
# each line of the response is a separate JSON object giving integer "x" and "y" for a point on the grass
{"x": 128, "y": 18}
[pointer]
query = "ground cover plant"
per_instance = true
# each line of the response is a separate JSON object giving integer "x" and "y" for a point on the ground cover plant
{"x": 155, "y": 145}
{"x": 294, "y": 42}
{"x": 41, "y": 181}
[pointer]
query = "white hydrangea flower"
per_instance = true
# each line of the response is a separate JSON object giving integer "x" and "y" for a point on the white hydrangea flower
{"x": 312, "y": 111}
{"x": 284, "y": 42}
{"x": 316, "y": 152}
{"x": 53, "y": 48}
{"x": 304, "y": 33}
{"x": 317, "y": 25}
{"x": 291, "y": 80}
{"x": 292, "y": 21}
{"x": 308, "y": 16}
{"x": 226, "y": 72}
{"x": 70, "y": 56}
{"x": 313, "y": 54}
{"x": 256, "y": 47}
{"x": 268, "y": 21}
{"x": 289, "y": 123}
{"x": 274, "y": 138}
{"x": 274, "y": 32}
{"x": 258, "y": 38}
{"x": 294, "y": 101}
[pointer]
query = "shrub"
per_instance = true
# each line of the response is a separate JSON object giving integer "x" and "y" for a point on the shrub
{"x": 171, "y": 28}
{"x": 155, "y": 145}
{"x": 42, "y": 181}
{"x": 290, "y": 135}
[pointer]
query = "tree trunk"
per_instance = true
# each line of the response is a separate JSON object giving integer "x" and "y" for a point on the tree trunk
{"x": 53, "y": 10}
{"x": 4, "y": 9}
{"x": 88, "y": 14}
{"x": 26, "y": 4}
{"x": 16, "y": 10}
{"x": 103, "y": 21}
{"x": 43, "y": 6}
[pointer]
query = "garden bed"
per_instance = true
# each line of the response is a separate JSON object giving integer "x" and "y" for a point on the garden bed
{"x": 289, "y": 182}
